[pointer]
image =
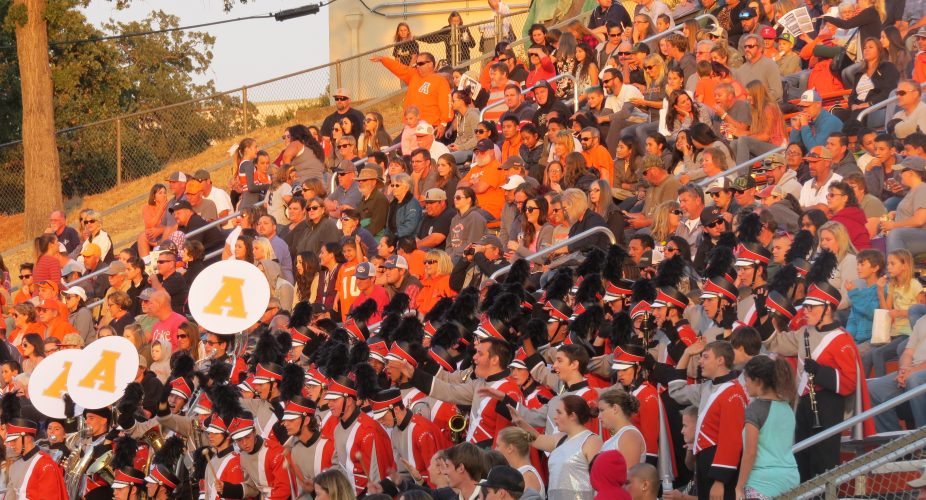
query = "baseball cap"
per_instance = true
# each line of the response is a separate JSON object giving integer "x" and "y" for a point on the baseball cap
{"x": 180, "y": 205}
{"x": 768, "y": 33}
{"x": 491, "y": 239}
{"x": 78, "y": 291}
{"x": 512, "y": 162}
{"x": 73, "y": 266}
{"x": 396, "y": 262}
{"x": 787, "y": 37}
{"x": 920, "y": 33}
{"x": 914, "y": 163}
{"x": 424, "y": 129}
{"x": 193, "y": 186}
{"x": 743, "y": 182}
{"x": 484, "y": 145}
{"x": 146, "y": 294}
{"x": 504, "y": 477}
{"x": 776, "y": 159}
{"x": 73, "y": 339}
{"x": 115, "y": 267}
{"x": 710, "y": 214}
{"x": 342, "y": 92}
{"x": 202, "y": 175}
{"x": 747, "y": 14}
{"x": 346, "y": 167}
{"x": 364, "y": 271}
{"x": 177, "y": 177}
{"x": 513, "y": 182}
{"x": 819, "y": 153}
{"x": 50, "y": 284}
{"x": 435, "y": 194}
{"x": 91, "y": 249}
{"x": 717, "y": 31}
{"x": 719, "y": 185}
{"x": 810, "y": 97}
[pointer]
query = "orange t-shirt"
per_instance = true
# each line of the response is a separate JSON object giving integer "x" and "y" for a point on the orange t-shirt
{"x": 21, "y": 296}
{"x": 704, "y": 91}
{"x": 15, "y": 337}
{"x": 347, "y": 286}
{"x": 59, "y": 327}
{"x": 493, "y": 199}
{"x": 511, "y": 147}
{"x": 432, "y": 290}
{"x": 599, "y": 158}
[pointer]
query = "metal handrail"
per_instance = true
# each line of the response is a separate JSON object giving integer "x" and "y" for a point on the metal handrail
{"x": 745, "y": 164}
{"x": 560, "y": 244}
{"x": 194, "y": 232}
{"x": 384, "y": 6}
{"x": 678, "y": 27}
{"x": 575, "y": 85}
{"x": 883, "y": 104}
{"x": 861, "y": 417}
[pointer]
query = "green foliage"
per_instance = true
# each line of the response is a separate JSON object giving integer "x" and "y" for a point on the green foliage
{"x": 96, "y": 81}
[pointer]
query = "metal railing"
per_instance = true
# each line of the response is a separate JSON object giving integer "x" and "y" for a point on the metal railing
{"x": 861, "y": 417}
{"x": 560, "y": 244}
{"x": 575, "y": 85}
{"x": 382, "y": 9}
{"x": 741, "y": 166}
{"x": 678, "y": 27}
{"x": 883, "y": 104}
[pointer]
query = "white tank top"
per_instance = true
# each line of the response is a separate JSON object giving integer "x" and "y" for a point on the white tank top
{"x": 524, "y": 469}
{"x": 612, "y": 444}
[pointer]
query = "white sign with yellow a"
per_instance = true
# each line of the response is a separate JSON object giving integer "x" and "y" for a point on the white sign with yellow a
{"x": 95, "y": 376}
{"x": 229, "y": 296}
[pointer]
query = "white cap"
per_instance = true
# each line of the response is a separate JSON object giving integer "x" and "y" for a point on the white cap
{"x": 513, "y": 182}
{"x": 424, "y": 129}
{"x": 76, "y": 290}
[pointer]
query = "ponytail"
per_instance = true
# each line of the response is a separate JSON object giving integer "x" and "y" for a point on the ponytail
{"x": 784, "y": 381}
{"x": 773, "y": 374}
{"x": 242, "y": 146}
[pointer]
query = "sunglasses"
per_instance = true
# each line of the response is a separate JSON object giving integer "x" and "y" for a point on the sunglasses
{"x": 531, "y": 209}
{"x": 715, "y": 195}
{"x": 430, "y": 262}
{"x": 89, "y": 221}
{"x": 608, "y": 81}
{"x": 24, "y": 276}
{"x": 481, "y": 131}
{"x": 286, "y": 137}
{"x": 341, "y": 98}
{"x": 614, "y": 35}
{"x": 584, "y": 139}
{"x": 715, "y": 223}
{"x": 164, "y": 261}
{"x": 902, "y": 93}
{"x": 671, "y": 249}
{"x": 649, "y": 67}
{"x": 315, "y": 207}
{"x": 624, "y": 53}
{"x": 212, "y": 342}
{"x": 503, "y": 59}
{"x": 343, "y": 146}
{"x": 422, "y": 63}
{"x": 182, "y": 336}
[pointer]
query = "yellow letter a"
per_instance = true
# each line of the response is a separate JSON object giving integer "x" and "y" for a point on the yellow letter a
{"x": 60, "y": 385}
{"x": 104, "y": 373}
{"x": 230, "y": 297}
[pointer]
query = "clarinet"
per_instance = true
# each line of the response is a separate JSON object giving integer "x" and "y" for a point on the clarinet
{"x": 810, "y": 389}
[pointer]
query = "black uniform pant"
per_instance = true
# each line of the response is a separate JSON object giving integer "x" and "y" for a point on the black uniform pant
{"x": 703, "y": 461}
{"x": 824, "y": 455}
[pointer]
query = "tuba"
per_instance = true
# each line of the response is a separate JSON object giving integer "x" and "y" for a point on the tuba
{"x": 155, "y": 440}
{"x": 75, "y": 466}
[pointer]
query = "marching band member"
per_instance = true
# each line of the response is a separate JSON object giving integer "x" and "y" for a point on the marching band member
{"x": 265, "y": 474}
{"x": 415, "y": 439}
{"x": 628, "y": 365}
{"x": 128, "y": 484}
{"x": 33, "y": 474}
{"x": 161, "y": 482}
{"x": 752, "y": 274}
{"x": 308, "y": 453}
{"x": 363, "y": 446}
{"x": 224, "y": 466}
{"x": 412, "y": 398}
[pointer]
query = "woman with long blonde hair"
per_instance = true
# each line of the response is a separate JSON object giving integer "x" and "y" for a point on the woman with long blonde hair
{"x": 665, "y": 221}
{"x": 563, "y": 144}
{"x": 834, "y": 237}
{"x": 374, "y": 136}
{"x": 435, "y": 284}
{"x": 765, "y": 131}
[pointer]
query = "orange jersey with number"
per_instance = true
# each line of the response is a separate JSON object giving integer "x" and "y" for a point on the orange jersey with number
{"x": 347, "y": 286}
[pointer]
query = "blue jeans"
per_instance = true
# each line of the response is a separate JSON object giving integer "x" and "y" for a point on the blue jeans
{"x": 916, "y": 312}
{"x": 884, "y": 388}
{"x": 878, "y": 356}
{"x": 913, "y": 239}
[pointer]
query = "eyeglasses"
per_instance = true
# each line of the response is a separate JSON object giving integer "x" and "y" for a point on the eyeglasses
{"x": 25, "y": 276}
{"x": 343, "y": 146}
{"x": 369, "y": 120}
{"x": 430, "y": 262}
{"x": 584, "y": 139}
{"x": 164, "y": 261}
{"x": 422, "y": 63}
{"x": 314, "y": 207}
{"x": 340, "y": 98}
{"x": 833, "y": 195}
{"x": 481, "y": 131}
{"x": 89, "y": 221}
{"x": 715, "y": 223}
{"x": 750, "y": 46}
{"x": 649, "y": 67}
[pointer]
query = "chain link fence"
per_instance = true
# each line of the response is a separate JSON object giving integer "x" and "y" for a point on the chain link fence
{"x": 894, "y": 470}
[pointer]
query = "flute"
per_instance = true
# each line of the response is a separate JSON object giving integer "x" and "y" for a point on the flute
{"x": 810, "y": 386}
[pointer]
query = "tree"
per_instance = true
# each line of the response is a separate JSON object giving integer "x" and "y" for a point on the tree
{"x": 40, "y": 154}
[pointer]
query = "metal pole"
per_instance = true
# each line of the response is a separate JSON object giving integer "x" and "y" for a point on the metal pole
{"x": 119, "y": 151}
{"x": 883, "y": 104}
{"x": 337, "y": 72}
{"x": 745, "y": 164}
{"x": 454, "y": 54}
{"x": 498, "y": 28}
{"x": 678, "y": 27}
{"x": 244, "y": 107}
{"x": 556, "y": 246}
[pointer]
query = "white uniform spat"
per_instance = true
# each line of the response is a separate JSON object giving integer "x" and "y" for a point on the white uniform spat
{"x": 308, "y": 459}
{"x": 569, "y": 470}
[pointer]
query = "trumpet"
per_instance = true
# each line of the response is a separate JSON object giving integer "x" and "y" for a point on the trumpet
{"x": 457, "y": 425}
{"x": 810, "y": 389}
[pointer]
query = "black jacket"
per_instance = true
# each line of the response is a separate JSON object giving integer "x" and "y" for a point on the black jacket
{"x": 589, "y": 220}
